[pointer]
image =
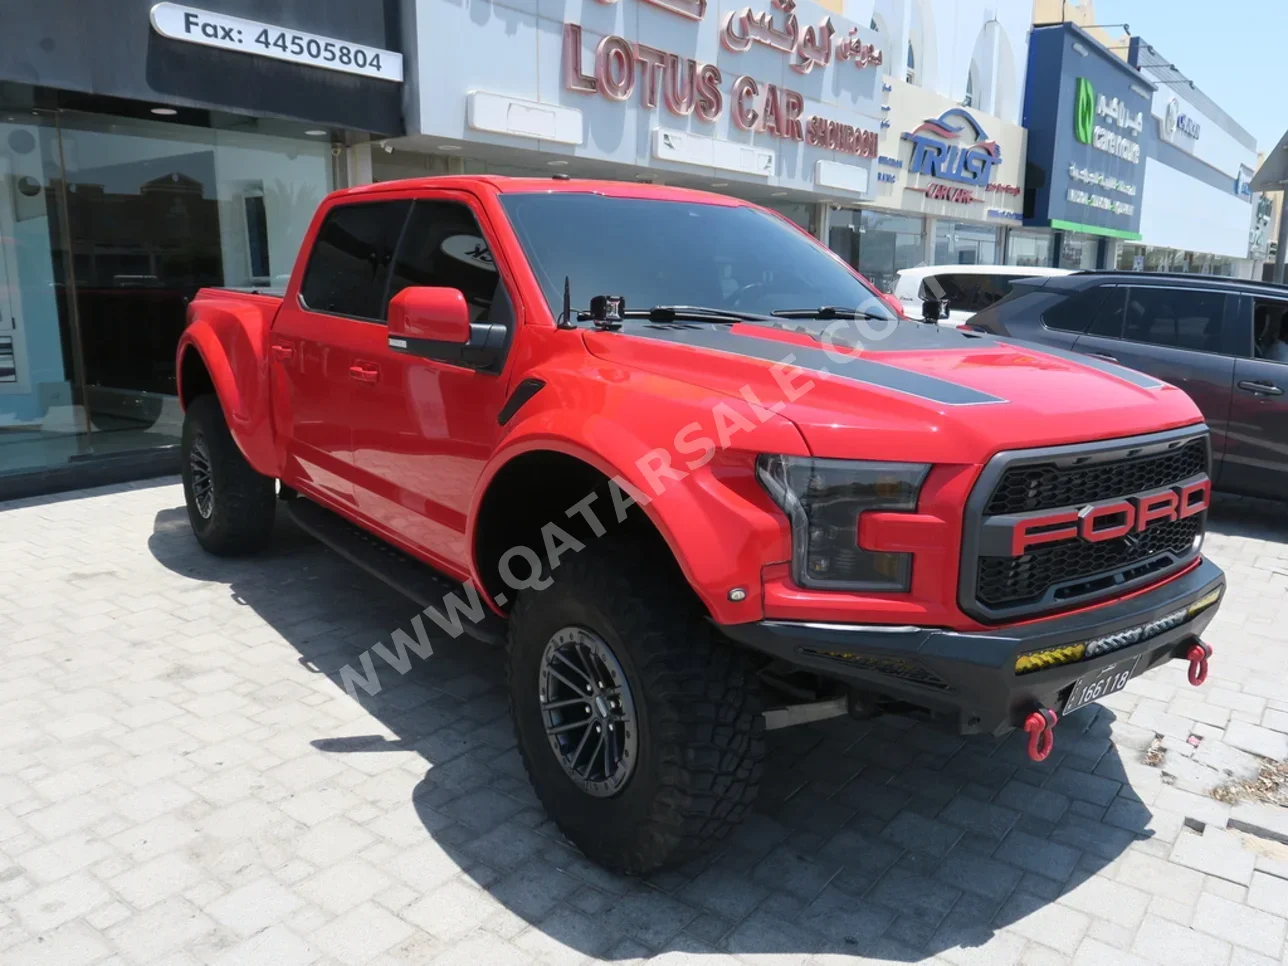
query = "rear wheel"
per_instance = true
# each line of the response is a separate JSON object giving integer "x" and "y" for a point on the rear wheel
{"x": 230, "y": 505}
{"x": 640, "y": 729}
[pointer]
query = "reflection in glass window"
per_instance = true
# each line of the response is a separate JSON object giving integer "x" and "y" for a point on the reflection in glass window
{"x": 720, "y": 256}
{"x": 877, "y": 244}
{"x": 108, "y": 227}
{"x": 958, "y": 243}
{"x": 1078, "y": 252}
{"x": 1028, "y": 248}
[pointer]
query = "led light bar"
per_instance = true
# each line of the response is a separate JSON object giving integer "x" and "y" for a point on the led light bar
{"x": 1071, "y": 653}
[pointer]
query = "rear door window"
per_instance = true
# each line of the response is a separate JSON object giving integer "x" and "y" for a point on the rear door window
{"x": 348, "y": 269}
{"x": 1181, "y": 318}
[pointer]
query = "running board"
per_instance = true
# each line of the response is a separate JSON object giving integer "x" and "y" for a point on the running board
{"x": 405, "y": 574}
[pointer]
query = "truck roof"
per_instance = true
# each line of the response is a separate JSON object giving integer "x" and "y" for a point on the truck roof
{"x": 501, "y": 184}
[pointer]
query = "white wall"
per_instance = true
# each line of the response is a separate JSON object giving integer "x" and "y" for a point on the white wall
{"x": 1181, "y": 212}
{"x": 948, "y": 33}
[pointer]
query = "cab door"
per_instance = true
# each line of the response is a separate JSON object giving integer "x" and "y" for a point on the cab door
{"x": 316, "y": 346}
{"x": 425, "y": 428}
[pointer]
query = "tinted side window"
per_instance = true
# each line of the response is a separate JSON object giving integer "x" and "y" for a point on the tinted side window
{"x": 1109, "y": 317}
{"x": 349, "y": 267}
{"x": 1181, "y": 318}
{"x": 444, "y": 246}
{"x": 1074, "y": 312}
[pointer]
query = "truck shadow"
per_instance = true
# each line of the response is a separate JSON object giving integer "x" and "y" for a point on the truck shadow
{"x": 883, "y": 839}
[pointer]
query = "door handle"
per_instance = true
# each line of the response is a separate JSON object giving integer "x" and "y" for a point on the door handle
{"x": 283, "y": 351}
{"x": 1260, "y": 388}
{"x": 1102, "y": 355}
{"x": 369, "y": 375}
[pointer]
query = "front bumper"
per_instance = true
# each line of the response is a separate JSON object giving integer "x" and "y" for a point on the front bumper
{"x": 967, "y": 679}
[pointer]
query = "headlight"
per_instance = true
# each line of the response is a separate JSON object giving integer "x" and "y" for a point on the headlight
{"x": 823, "y": 500}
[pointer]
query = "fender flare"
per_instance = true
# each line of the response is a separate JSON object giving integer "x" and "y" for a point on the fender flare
{"x": 693, "y": 518}
{"x": 244, "y": 399}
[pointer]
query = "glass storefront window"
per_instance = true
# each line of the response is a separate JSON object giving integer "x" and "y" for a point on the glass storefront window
{"x": 1028, "y": 248}
{"x": 1150, "y": 259}
{"x": 878, "y": 244}
{"x": 957, "y": 243}
{"x": 1078, "y": 252}
{"x": 109, "y": 227}
{"x": 1131, "y": 258}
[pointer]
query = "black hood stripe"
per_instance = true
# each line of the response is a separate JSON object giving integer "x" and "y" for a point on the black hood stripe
{"x": 719, "y": 338}
{"x": 1091, "y": 362}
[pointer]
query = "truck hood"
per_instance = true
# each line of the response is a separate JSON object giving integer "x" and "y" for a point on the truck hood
{"x": 879, "y": 390}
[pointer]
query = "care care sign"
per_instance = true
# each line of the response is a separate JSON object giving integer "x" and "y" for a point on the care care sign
{"x": 192, "y": 25}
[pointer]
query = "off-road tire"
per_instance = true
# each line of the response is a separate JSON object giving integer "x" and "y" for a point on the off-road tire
{"x": 242, "y": 502}
{"x": 697, "y": 701}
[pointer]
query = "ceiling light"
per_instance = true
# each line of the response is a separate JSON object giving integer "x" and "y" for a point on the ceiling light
{"x": 720, "y": 184}
{"x": 315, "y": 132}
{"x": 779, "y": 194}
{"x": 449, "y": 147}
{"x": 557, "y": 164}
{"x": 164, "y": 111}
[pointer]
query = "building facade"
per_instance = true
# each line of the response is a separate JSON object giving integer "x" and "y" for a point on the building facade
{"x": 819, "y": 110}
{"x": 146, "y": 150}
{"x": 1197, "y": 209}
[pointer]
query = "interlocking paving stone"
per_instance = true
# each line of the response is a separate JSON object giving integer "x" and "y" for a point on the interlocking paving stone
{"x": 190, "y": 785}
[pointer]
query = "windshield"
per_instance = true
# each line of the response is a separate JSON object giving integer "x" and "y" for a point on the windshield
{"x": 655, "y": 252}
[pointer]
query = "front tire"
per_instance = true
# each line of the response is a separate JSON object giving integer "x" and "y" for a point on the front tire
{"x": 230, "y": 505}
{"x": 678, "y": 711}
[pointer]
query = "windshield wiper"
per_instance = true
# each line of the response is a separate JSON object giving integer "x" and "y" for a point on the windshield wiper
{"x": 687, "y": 313}
{"x": 828, "y": 312}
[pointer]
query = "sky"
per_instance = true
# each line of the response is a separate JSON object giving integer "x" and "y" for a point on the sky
{"x": 1233, "y": 50}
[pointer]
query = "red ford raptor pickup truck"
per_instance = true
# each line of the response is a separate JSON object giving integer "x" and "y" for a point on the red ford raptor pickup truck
{"x": 699, "y": 478}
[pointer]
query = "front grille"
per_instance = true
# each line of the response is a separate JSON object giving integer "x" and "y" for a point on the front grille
{"x": 1009, "y": 581}
{"x": 1047, "y": 486}
{"x": 996, "y": 587}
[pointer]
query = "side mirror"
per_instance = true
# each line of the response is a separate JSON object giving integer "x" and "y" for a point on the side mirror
{"x": 932, "y": 310}
{"x": 422, "y": 314}
{"x": 434, "y": 323}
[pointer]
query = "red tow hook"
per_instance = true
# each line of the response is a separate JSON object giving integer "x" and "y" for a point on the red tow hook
{"x": 1041, "y": 728}
{"x": 1198, "y": 656}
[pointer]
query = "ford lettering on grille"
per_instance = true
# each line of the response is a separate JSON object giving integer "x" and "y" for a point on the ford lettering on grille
{"x": 1109, "y": 520}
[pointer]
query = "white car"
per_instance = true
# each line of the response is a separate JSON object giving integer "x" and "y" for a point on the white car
{"x": 968, "y": 288}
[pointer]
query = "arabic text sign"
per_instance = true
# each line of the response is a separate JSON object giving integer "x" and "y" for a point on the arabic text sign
{"x": 809, "y": 46}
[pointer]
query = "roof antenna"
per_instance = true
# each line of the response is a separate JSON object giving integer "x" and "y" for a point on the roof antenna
{"x": 565, "y": 317}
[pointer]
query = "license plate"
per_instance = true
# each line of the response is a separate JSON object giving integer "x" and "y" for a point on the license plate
{"x": 1106, "y": 681}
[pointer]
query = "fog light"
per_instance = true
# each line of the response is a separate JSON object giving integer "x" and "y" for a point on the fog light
{"x": 1049, "y": 658}
{"x": 1204, "y": 602}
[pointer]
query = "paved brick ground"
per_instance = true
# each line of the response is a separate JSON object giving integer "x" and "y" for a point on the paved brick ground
{"x": 182, "y": 781}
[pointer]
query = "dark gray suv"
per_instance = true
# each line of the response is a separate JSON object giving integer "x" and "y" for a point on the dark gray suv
{"x": 1224, "y": 341}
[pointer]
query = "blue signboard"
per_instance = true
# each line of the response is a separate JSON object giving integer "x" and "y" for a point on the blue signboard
{"x": 1087, "y": 113}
